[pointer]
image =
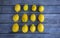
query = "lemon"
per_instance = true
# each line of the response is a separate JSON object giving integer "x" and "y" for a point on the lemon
{"x": 25, "y": 7}
{"x": 17, "y": 7}
{"x": 34, "y": 7}
{"x": 32, "y": 28}
{"x": 33, "y": 17}
{"x": 15, "y": 27}
{"x": 41, "y": 9}
{"x": 41, "y": 17}
{"x": 25, "y": 28}
{"x": 16, "y": 18}
{"x": 24, "y": 18}
{"x": 40, "y": 27}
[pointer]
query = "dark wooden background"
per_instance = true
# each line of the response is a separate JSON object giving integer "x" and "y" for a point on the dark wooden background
{"x": 51, "y": 23}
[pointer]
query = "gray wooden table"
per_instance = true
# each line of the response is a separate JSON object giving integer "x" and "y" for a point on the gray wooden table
{"x": 51, "y": 23}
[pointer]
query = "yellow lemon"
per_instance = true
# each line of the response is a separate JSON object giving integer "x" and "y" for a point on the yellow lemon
{"x": 33, "y": 17}
{"x": 15, "y": 27}
{"x": 25, "y": 28}
{"x": 24, "y": 18}
{"x": 16, "y": 18}
{"x": 41, "y": 17}
{"x": 41, "y": 9}
{"x": 32, "y": 28}
{"x": 25, "y": 7}
{"x": 34, "y": 7}
{"x": 17, "y": 7}
{"x": 40, "y": 27}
